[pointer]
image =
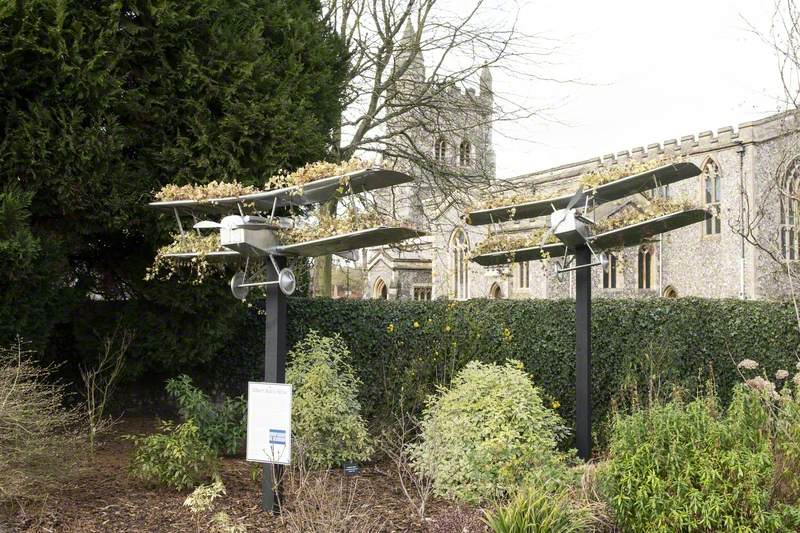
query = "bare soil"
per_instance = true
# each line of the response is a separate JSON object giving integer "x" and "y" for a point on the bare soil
{"x": 103, "y": 497}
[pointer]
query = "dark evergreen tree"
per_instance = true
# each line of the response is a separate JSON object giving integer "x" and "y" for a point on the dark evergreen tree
{"x": 103, "y": 102}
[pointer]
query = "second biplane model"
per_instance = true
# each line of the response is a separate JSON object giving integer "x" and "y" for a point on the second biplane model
{"x": 572, "y": 219}
{"x": 571, "y": 234}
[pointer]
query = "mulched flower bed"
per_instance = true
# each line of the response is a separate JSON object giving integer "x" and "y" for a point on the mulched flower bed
{"x": 103, "y": 498}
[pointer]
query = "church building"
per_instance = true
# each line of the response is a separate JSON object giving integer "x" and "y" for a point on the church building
{"x": 750, "y": 177}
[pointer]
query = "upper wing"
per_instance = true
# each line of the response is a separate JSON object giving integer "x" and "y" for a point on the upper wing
{"x": 318, "y": 191}
{"x": 221, "y": 255}
{"x": 603, "y": 193}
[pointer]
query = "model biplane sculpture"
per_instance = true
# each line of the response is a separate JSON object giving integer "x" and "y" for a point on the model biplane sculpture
{"x": 252, "y": 230}
{"x": 250, "y": 226}
{"x": 572, "y": 224}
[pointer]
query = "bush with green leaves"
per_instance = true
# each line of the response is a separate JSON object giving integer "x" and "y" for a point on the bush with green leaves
{"x": 486, "y": 434}
{"x": 403, "y": 349}
{"x": 222, "y": 427}
{"x": 698, "y": 466}
{"x": 175, "y": 457}
{"x": 326, "y": 414}
{"x": 534, "y": 510}
{"x": 101, "y": 103}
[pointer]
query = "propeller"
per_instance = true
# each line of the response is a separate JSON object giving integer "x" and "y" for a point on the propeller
{"x": 207, "y": 224}
{"x": 577, "y": 197}
{"x": 349, "y": 255}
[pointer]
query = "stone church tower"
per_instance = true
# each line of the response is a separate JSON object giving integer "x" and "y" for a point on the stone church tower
{"x": 442, "y": 133}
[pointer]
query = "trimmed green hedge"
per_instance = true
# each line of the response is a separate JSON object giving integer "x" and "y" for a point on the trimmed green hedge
{"x": 403, "y": 349}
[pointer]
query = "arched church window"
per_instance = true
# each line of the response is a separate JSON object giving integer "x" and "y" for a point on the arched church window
{"x": 645, "y": 267}
{"x": 712, "y": 195}
{"x": 380, "y": 291}
{"x": 440, "y": 149}
{"x": 790, "y": 214}
{"x": 524, "y": 271}
{"x": 670, "y": 292}
{"x": 495, "y": 292}
{"x": 610, "y": 272}
{"x": 459, "y": 253}
{"x": 465, "y": 153}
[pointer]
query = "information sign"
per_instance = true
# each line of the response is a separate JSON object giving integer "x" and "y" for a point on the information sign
{"x": 269, "y": 422}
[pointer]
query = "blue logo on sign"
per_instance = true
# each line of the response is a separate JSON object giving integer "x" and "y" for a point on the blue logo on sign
{"x": 277, "y": 436}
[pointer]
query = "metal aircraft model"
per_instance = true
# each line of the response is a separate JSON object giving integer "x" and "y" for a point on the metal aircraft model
{"x": 249, "y": 229}
{"x": 572, "y": 223}
{"x": 571, "y": 219}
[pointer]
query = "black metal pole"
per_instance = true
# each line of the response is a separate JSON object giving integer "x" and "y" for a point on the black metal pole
{"x": 583, "y": 353}
{"x": 274, "y": 372}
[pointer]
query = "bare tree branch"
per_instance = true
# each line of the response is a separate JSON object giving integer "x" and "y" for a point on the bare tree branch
{"x": 418, "y": 73}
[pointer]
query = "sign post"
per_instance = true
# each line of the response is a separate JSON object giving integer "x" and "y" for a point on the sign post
{"x": 274, "y": 372}
{"x": 583, "y": 353}
{"x": 269, "y": 422}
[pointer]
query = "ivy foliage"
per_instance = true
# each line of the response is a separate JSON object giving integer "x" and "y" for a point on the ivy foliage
{"x": 482, "y": 436}
{"x": 402, "y": 350}
{"x": 326, "y": 414}
{"x": 103, "y": 103}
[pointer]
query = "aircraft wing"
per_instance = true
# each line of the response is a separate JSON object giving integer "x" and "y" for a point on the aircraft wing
{"x": 221, "y": 255}
{"x": 318, "y": 191}
{"x": 350, "y": 241}
{"x": 608, "y": 192}
{"x": 533, "y": 253}
{"x": 636, "y": 233}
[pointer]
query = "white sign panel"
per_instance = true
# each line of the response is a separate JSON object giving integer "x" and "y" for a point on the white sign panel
{"x": 269, "y": 422}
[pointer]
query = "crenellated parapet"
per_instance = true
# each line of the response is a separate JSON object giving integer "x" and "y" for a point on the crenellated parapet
{"x": 685, "y": 146}
{"x": 457, "y": 97}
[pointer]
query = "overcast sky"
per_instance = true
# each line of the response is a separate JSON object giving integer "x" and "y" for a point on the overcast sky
{"x": 655, "y": 70}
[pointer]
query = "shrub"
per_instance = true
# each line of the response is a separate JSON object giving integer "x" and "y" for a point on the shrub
{"x": 222, "y": 428}
{"x": 402, "y": 364}
{"x": 539, "y": 511}
{"x": 39, "y": 441}
{"x": 482, "y": 437}
{"x": 696, "y": 467}
{"x": 176, "y": 457}
{"x": 326, "y": 414}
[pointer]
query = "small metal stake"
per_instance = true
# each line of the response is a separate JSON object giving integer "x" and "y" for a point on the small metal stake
{"x": 583, "y": 353}
{"x": 274, "y": 372}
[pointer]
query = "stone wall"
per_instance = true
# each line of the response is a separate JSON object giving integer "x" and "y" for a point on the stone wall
{"x": 686, "y": 260}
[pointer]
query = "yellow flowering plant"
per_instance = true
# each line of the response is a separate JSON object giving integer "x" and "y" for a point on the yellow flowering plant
{"x": 327, "y": 225}
{"x": 505, "y": 242}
